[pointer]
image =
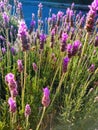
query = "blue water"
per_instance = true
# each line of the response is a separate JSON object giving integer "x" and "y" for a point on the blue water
{"x": 29, "y": 8}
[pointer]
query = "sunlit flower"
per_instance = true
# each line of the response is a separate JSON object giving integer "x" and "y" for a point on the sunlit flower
{"x": 65, "y": 64}
{"x": 27, "y": 110}
{"x": 46, "y": 98}
{"x": 12, "y": 105}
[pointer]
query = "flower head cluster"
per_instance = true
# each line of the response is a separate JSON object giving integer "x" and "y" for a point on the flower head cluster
{"x": 72, "y": 49}
{"x": 1, "y": 6}
{"x": 23, "y": 35}
{"x": 65, "y": 64}
{"x": 42, "y": 39}
{"x": 6, "y": 19}
{"x": 96, "y": 42}
{"x": 19, "y": 10}
{"x": 9, "y": 79}
{"x": 69, "y": 16}
{"x": 3, "y": 50}
{"x": 91, "y": 68}
{"x": 63, "y": 41}
{"x": 40, "y": 10}
{"x": 60, "y": 15}
{"x": 91, "y": 16}
{"x": 27, "y": 110}
{"x": 52, "y": 38}
{"x": 12, "y": 105}
{"x": 46, "y": 98}
{"x": 20, "y": 65}
{"x": 35, "y": 68}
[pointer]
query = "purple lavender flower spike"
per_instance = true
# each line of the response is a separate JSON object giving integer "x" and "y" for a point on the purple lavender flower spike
{"x": 13, "y": 51}
{"x": 6, "y": 19}
{"x": 53, "y": 17}
{"x": 65, "y": 64}
{"x": 91, "y": 68}
{"x": 46, "y": 92}
{"x": 64, "y": 37}
{"x": 14, "y": 92}
{"x": 23, "y": 35}
{"x": 40, "y": 5}
{"x": 9, "y": 77}
{"x": 96, "y": 42}
{"x": 40, "y": 10}
{"x": 63, "y": 42}
{"x": 27, "y": 110}
{"x": 52, "y": 38}
{"x": 35, "y": 68}
{"x": 91, "y": 16}
{"x": 42, "y": 40}
{"x": 12, "y": 105}
{"x": 1, "y": 6}
{"x": 12, "y": 84}
{"x": 69, "y": 50}
{"x": 46, "y": 98}
{"x": 2, "y": 38}
{"x": 60, "y": 15}
{"x": 20, "y": 65}
{"x": 3, "y": 50}
{"x": 76, "y": 46}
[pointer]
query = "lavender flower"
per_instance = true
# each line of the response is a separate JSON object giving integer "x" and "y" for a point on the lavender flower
{"x": 65, "y": 64}
{"x": 76, "y": 46}
{"x": 12, "y": 84}
{"x": 52, "y": 38}
{"x": 20, "y": 65}
{"x": 3, "y": 50}
{"x": 19, "y": 10}
{"x": 49, "y": 20}
{"x": 6, "y": 19}
{"x": 40, "y": 10}
{"x": 23, "y": 35}
{"x": 96, "y": 42}
{"x": 2, "y": 38}
{"x": 12, "y": 105}
{"x": 40, "y": 5}
{"x": 1, "y": 6}
{"x": 91, "y": 16}
{"x": 35, "y": 68}
{"x": 69, "y": 50}
{"x": 14, "y": 93}
{"x": 91, "y": 68}
{"x": 27, "y": 110}
{"x": 9, "y": 77}
{"x": 53, "y": 17}
{"x": 60, "y": 15}
{"x": 42, "y": 40}
{"x": 13, "y": 51}
{"x": 32, "y": 25}
{"x": 46, "y": 98}
{"x": 63, "y": 42}
{"x": 69, "y": 16}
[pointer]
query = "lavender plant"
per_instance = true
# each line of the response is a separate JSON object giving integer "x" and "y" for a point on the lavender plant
{"x": 64, "y": 58}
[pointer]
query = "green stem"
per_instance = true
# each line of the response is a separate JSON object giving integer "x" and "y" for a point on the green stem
{"x": 38, "y": 126}
{"x": 23, "y": 89}
{"x": 58, "y": 89}
{"x": 27, "y": 122}
{"x": 84, "y": 49}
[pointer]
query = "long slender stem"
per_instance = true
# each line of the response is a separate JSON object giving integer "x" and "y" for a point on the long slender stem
{"x": 27, "y": 122}
{"x": 23, "y": 89}
{"x": 38, "y": 126}
{"x": 58, "y": 89}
